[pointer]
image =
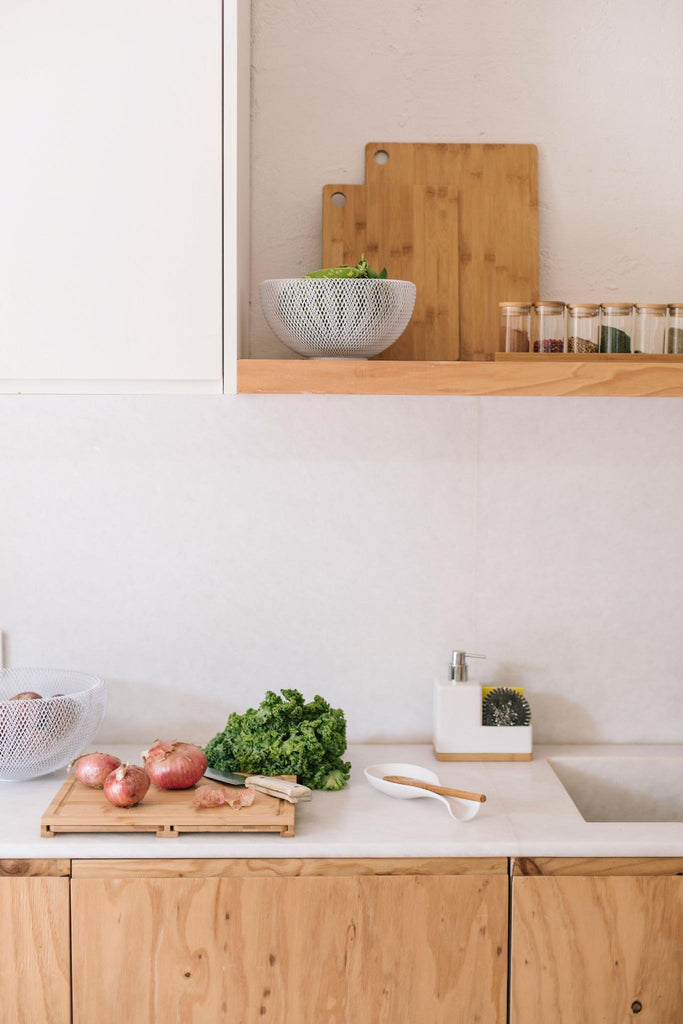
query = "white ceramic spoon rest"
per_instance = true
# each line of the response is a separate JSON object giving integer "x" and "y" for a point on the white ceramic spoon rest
{"x": 461, "y": 810}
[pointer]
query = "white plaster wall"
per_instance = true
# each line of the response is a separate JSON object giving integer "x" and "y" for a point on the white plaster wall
{"x": 595, "y": 84}
{"x": 196, "y": 551}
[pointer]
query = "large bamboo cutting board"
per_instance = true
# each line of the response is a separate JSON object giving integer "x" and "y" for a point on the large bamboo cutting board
{"x": 497, "y": 186}
{"x": 413, "y": 231}
{"x": 168, "y": 812}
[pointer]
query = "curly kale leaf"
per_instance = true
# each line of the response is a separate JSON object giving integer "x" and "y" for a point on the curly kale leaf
{"x": 285, "y": 735}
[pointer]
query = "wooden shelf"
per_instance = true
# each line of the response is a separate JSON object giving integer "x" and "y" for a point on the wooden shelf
{"x": 596, "y": 376}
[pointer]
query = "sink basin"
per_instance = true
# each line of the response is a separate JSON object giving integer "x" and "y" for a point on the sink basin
{"x": 638, "y": 788}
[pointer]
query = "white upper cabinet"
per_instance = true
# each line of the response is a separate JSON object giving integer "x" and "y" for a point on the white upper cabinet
{"x": 111, "y": 257}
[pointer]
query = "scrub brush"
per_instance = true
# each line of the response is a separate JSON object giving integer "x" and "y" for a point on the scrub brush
{"x": 503, "y": 706}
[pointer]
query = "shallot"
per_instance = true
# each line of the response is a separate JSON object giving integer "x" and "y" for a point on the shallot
{"x": 242, "y": 798}
{"x": 26, "y": 695}
{"x": 126, "y": 785}
{"x": 208, "y": 796}
{"x": 211, "y": 796}
{"x": 174, "y": 765}
{"x": 93, "y": 769}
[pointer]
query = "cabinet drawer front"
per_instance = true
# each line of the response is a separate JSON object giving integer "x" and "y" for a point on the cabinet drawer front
{"x": 310, "y": 950}
{"x": 598, "y": 949}
{"x": 34, "y": 951}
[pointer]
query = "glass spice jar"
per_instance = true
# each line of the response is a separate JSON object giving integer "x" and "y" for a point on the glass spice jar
{"x": 548, "y": 327}
{"x": 616, "y": 327}
{"x": 674, "y": 332}
{"x": 583, "y": 327}
{"x": 649, "y": 327}
{"x": 515, "y": 326}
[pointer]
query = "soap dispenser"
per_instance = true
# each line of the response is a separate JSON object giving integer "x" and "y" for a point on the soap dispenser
{"x": 459, "y": 733}
{"x": 457, "y": 706}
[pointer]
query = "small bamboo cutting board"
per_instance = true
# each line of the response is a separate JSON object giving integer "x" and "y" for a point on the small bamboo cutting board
{"x": 167, "y": 812}
{"x": 498, "y": 254}
{"x": 412, "y": 230}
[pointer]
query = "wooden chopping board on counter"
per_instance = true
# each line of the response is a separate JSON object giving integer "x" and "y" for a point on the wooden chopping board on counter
{"x": 167, "y": 812}
{"x": 412, "y": 230}
{"x": 498, "y": 255}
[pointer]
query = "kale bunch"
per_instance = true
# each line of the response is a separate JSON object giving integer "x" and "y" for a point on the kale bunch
{"x": 361, "y": 269}
{"x": 285, "y": 736}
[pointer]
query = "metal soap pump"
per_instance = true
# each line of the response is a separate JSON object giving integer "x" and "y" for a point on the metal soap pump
{"x": 459, "y": 665}
{"x": 459, "y": 734}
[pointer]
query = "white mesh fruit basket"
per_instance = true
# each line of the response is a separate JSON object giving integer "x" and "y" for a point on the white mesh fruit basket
{"x": 38, "y": 736}
{"x": 337, "y": 318}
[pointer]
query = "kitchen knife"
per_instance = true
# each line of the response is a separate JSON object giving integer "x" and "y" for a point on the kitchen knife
{"x": 293, "y": 792}
{"x": 232, "y": 778}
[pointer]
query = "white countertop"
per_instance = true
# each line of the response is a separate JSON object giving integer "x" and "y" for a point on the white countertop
{"x": 527, "y": 813}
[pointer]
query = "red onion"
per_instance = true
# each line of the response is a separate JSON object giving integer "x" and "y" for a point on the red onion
{"x": 20, "y": 726}
{"x": 126, "y": 786}
{"x": 174, "y": 765}
{"x": 93, "y": 769}
{"x": 26, "y": 695}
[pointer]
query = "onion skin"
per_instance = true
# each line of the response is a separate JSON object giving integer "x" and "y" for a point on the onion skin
{"x": 126, "y": 786}
{"x": 92, "y": 769}
{"x": 26, "y": 695}
{"x": 208, "y": 796}
{"x": 174, "y": 765}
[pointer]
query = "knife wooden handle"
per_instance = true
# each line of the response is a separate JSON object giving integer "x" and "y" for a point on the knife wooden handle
{"x": 463, "y": 794}
{"x": 281, "y": 796}
{"x": 292, "y": 791}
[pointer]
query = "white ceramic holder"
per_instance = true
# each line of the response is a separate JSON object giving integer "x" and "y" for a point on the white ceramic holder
{"x": 460, "y": 810}
{"x": 459, "y": 734}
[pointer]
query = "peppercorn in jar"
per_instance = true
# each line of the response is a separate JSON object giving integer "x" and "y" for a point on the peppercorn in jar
{"x": 548, "y": 328}
{"x": 583, "y": 327}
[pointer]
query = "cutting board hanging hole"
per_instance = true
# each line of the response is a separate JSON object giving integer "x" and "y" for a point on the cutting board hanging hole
{"x": 381, "y": 157}
{"x": 338, "y": 199}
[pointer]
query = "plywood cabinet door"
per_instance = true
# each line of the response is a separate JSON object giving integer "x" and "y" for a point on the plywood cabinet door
{"x": 110, "y": 192}
{"x": 299, "y": 950}
{"x": 34, "y": 951}
{"x": 597, "y": 950}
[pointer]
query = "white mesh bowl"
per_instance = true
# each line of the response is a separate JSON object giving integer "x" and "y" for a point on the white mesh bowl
{"x": 337, "y": 318}
{"x": 39, "y": 736}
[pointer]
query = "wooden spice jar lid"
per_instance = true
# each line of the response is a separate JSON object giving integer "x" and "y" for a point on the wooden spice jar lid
{"x": 583, "y": 308}
{"x": 549, "y": 307}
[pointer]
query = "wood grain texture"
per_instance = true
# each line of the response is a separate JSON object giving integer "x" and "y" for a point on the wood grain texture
{"x": 594, "y": 357}
{"x": 482, "y": 757}
{"x": 597, "y": 866}
{"x": 34, "y": 951}
{"x": 412, "y": 230}
{"x": 288, "y": 867}
{"x": 497, "y": 188}
{"x": 307, "y": 950}
{"x": 597, "y": 950}
{"x": 372, "y": 377}
{"x": 32, "y": 868}
{"x": 167, "y": 812}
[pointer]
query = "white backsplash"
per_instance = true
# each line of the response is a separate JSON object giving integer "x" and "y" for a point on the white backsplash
{"x": 198, "y": 551}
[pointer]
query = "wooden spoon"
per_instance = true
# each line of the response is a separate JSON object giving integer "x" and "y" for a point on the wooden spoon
{"x": 444, "y": 790}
